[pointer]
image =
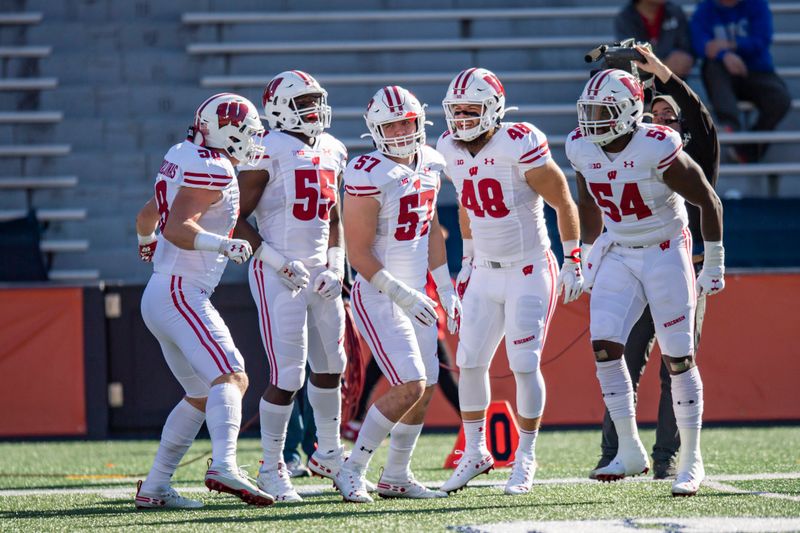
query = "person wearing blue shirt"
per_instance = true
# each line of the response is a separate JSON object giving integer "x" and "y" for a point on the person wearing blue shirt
{"x": 733, "y": 37}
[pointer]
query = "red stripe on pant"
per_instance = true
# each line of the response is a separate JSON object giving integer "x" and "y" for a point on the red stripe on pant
{"x": 391, "y": 373}
{"x": 551, "y": 308}
{"x": 266, "y": 325}
{"x": 173, "y": 290}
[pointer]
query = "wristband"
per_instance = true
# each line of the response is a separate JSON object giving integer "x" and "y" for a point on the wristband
{"x": 209, "y": 242}
{"x": 572, "y": 251}
{"x": 271, "y": 256}
{"x": 469, "y": 248}
{"x": 441, "y": 277}
{"x": 144, "y": 240}
{"x": 336, "y": 260}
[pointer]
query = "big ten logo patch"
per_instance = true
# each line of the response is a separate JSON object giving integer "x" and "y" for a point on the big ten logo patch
{"x": 502, "y": 436}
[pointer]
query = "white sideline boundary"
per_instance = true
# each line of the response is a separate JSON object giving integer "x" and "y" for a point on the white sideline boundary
{"x": 714, "y": 482}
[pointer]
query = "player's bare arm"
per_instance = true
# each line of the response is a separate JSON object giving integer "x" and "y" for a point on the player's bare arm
{"x": 187, "y": 208}
{"x": 551, "y": 184}
{"x": 360, "y": 228}
{"x": 251, "y": 187}
{"x": 147, "y": 218}
{"x": 685, "y": 177}
{"x": 336, "y": 230}
{"x": 591, "y": 218}
{"x": 463, "y": 223}
{"x": 437, "y": 252}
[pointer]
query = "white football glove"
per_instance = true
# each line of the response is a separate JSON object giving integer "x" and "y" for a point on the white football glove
{"x": 570, "y": 277}
{"x": 328, "y": 285}
{"x": 452, "y": 306}
{"x": 462, "y": 280}
{"x": 294, "y": 275}
{"x": 711, "y": 279}
{"x": 413, "y": 302}
{"x": 237, "y": 250}
{"x": 147, "y": 247}
{"x": 447, "y": 296}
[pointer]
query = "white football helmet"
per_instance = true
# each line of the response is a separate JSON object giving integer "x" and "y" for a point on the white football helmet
{"x": 282, "y": 112}
{"x": 611, "y": 105}
{"x": 390, "y": 104}
{"x": 475, "y": 86}
{"x": 229, "y": 122}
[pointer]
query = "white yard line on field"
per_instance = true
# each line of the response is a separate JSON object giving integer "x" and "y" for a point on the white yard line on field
{"x": 715, "y": 482}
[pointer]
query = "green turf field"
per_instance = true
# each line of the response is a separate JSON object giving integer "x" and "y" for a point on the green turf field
{"x": 50, "y": 486}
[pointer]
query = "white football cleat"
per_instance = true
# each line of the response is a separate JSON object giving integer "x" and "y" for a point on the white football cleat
{"x": 688, "y": 480}
{"x": 631, "y": 460}
{"x": 167, "y": 498}
{"x": 468, "y": 467}
{"x": 276, "y": 481}
{"x": 521, "y": 479}
{"x": 328, "y": 466}
{"x": 407, "y": 488}
{"x": 352, "y": 486}
{"x": 237, "y": 483}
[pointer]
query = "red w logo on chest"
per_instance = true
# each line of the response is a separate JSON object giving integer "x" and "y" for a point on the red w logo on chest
{"x": 612, "y": 174}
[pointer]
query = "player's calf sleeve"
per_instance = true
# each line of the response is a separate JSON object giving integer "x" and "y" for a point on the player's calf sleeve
{"x": 617, "y": 388}
{"x": 274, "y": 421}
{"x": 401, "y": 446}
{"x": 223, "y": 418}
{"x": 373, "y": 431}
{"x": 531, "y": 393}
{"x": 473, "y": 389}
{"x": 179, "y": 432}
{"x": 327, "y": 407}
{"x": 687, "y": 399}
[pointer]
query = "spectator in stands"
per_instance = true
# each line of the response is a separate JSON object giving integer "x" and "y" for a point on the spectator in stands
{"x": 677, "y": 107}
{"x": 662, "y": 24}
{"x": 733, "y": 38}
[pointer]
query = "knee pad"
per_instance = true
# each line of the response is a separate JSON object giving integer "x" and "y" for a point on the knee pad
{"x": 473, "y": 389}
{"x": 604, "y": 326}
{"x": 678, "y": 343}
{"x": 531, "y": 393}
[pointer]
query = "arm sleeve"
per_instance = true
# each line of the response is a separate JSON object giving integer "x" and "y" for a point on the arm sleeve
{"x": 697, "y": 122}
{"x": 760, "y": 24}
{"x": 666, "y": 150}
{"x": 533, "y": 148}
{"x": 206, "y": 175}
{"x": 701, "y": 30}
{"x": 358, "y": 183}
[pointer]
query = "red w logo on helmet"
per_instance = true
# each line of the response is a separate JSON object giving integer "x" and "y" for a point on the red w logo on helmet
{"x": 231, "y": 113}
{"x": 269, "y": 92}
{"x": 634, "y": 87}
{"x": 495, "y": 83}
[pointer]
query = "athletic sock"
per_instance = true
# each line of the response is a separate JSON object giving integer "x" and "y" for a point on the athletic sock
{"x": 179, "y": 432}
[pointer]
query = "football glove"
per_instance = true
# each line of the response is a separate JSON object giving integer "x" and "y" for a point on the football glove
{"x": 413, "y": 302}
{"x": 711, "y": 279}
{"x": 147, "y": 246}
{"x": 570, "y": 278}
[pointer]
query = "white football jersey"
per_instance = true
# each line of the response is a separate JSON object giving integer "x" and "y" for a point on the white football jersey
{"x": 293, "y": 213}
{"x": 408, "y": 203}
{"x": 189, "y": 165}
{"x": 638, "y": 208}
{"x": 506, "y": 216}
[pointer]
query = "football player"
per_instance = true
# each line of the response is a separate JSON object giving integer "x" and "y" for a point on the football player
{"x": 503, "y": 173}
{"x": 297, "y": 270}
{"x": 195, "y": 205}
{"x": 393, "y": 238}
{"x": 634, "y": 177}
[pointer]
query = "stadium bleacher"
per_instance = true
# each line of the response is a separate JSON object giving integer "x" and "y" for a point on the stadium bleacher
{"x": 103, "y": 102}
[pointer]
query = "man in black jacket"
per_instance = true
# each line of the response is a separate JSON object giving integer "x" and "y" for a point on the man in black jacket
{"x": 678, "y": 107}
